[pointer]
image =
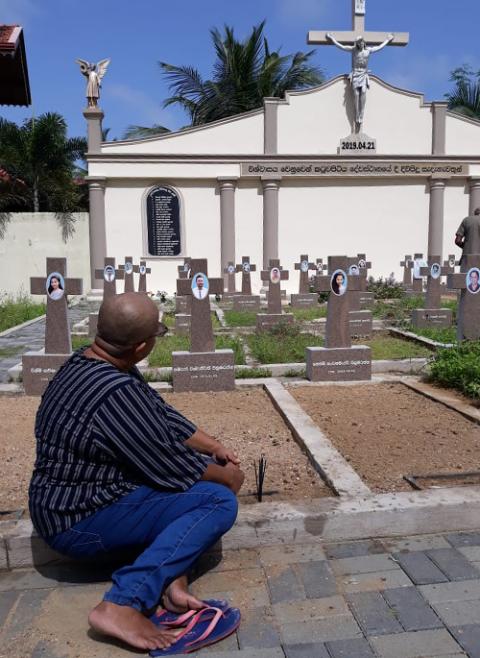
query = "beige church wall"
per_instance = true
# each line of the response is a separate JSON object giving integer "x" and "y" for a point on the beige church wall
{"x": 249, "y": 229}
{"x": 31, "y": 238}
{"x": 462, "y": 136}
{"x": 384, "y": 220}
{"x": 315, "y": 122}
{"x": 200, "y": 205}
{"x": 456, "y": 208}
{"x": 158, "y": 170}
{"x": 244, "y": 135}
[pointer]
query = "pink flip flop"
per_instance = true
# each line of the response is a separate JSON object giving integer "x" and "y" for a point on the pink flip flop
{"x": 164, "y": 617}
{"x": 203, "y": 630}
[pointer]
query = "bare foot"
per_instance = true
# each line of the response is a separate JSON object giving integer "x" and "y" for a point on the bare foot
{"x": 177, "y": 598}
{"x": 130, "y": 626}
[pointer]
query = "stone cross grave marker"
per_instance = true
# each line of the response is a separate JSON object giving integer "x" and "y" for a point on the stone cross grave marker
{"x": 468, "y": 317}
{"x": 338, "y": 360}
{"x": 230, "y": 293}
{"x": 417, "y": 285}
{"x": 407, "y": 264}
{"x": 274, "y": 275}
{"x": 182, "y": 304}
{"x": 450, "y": 263}
{"x": 304, "y": 299}
{"x": 39, "y": 368}
{"x": 203, "y": 368}
{"x": 143, "y": 270}
{"x": 246, "y": 301}
{"x": 321, "y": 266}
{"x": 361, "y": 318}
{"x": 109, "y": 274}
{"x": 128, "y": 269}
{"x": 432, "y": 315}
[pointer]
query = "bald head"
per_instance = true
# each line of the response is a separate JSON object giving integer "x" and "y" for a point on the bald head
{"x": 126, "y": 320}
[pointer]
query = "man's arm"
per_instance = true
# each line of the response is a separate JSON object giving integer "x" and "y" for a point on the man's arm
{"x": 229, "y": 475}
{"x": 459, "y": 240}
{"x": 208, "y": 445}
{"x": 337, "y": 43}
{"x": 375, "y": 49}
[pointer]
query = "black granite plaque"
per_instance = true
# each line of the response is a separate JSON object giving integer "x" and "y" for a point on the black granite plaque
{"x": 163, "y": 222}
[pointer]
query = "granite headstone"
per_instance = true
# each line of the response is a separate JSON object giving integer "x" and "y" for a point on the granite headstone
{"x": 273, "y": 275}
{"x": 304, "y": 298}
{"x": 467, "y": 281}
{"x": 433, "y": 316}
{"x": 246, "y": 301}
{"x": 109, "y": 274}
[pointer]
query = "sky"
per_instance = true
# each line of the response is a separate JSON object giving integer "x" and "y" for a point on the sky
{"x": 137, "y": 34}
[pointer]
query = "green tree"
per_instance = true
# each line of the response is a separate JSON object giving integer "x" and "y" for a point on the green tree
{"x": 39, "y": 167}
{"x": 465, "y": 97}
{"x": 244, "y": 73}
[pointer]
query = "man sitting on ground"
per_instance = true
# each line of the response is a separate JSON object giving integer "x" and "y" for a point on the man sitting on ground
{"x": 118, "y": 468}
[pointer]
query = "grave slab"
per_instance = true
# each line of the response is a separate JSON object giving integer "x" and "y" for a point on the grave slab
{"x": 432, "y": 318}
{"x": 361, "y": 323}
{"x": 38, "y": 369}
{"x": 203, "y": 371}
{"x": 246, "y": 303}
{"x": 339, "y": 364}
{"x": 267, "y": 321}
{"x": 182, "y": 324}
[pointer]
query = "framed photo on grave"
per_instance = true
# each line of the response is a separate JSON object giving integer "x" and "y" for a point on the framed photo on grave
{"x": 435, "y": 270}
{"x": 109, "y": 273}
{"x": 473, "y": 280}
{"x": 55, "y": 286}
{"x": 163, "y": 223}
{"x": 354, "y": 270}
{"x": 275, "y": 275}
{"x": 200, "y": 286}
{"x": 339, "y": 283}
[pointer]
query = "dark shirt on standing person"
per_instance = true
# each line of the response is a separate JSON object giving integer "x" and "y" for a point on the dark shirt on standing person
{"x": 101, "y": 433}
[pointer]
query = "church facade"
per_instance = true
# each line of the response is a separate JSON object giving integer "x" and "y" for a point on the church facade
{"x": 283, "y": 181}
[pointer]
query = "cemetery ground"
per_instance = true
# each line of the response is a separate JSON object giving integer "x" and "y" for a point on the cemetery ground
{"x": 335, "y": 562}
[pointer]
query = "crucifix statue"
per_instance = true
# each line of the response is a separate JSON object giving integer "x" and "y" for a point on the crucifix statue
{"x": 198, "y": 287}
{"x": 56, "y": 286}
{"x": 361, "y": 44}
{"x": 245, "y": 267}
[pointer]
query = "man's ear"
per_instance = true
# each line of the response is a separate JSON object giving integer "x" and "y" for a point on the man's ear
{"x": 139, "y": 347}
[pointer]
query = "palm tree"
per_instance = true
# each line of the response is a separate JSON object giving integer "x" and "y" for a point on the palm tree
{"x": 39, "y": 161}
{"x": 244, "y": 73}
{"x": 465, "y": 98}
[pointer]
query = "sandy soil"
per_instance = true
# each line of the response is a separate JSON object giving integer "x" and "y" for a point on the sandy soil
{"x": 244, "y": 420}
{"x": 387, "y": 430}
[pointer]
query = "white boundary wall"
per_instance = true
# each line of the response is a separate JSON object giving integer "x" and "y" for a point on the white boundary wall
{"x": 31, "y": 238}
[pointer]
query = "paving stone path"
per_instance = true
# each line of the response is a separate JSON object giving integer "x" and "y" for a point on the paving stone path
{"x": 414, "y": 597}
{"x": 31, "y": 337}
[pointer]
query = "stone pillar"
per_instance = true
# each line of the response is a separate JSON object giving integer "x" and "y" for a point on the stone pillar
{"x": 474, "y": 187}
{"x": 97, "y": 232}
{"x": 227, "y": 223}
{"x": 270, "y": 125}
{"x": 270, "y": 219}
{"x": 94, "y": 116}
{"x": 436, "y": 215}
{"x": 439, "y": 127}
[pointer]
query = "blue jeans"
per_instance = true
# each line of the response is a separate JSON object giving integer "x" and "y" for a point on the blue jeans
{"x": 176, "y": 528}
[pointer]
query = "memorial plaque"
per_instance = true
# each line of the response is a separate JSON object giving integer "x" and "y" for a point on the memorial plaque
{"x": 306, "y": 300}
{"x": 246, "y": 303}
{"x": 203, "y": 371}
{"x": 339, "y": 364}
{"x": 163, "y": 222}
{"x": 437, "y": 318}
{"x": 182, "y": 324}
{"x": 432, "y": 315}
{"x": 361, "y": 323}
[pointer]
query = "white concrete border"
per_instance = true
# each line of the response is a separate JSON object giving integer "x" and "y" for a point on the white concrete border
{"x": 7, "y": 332}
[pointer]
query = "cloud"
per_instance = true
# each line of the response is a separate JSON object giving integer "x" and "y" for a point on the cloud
{"x": 422, "y": 71}
{"x": 17, "y": 11}
{"x": 146, "y": 109}
{"x": 299, "y": 11}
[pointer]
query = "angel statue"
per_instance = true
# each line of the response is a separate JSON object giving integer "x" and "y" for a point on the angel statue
{"x": 94, "y": 74}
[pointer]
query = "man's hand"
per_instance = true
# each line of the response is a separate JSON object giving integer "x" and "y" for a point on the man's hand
{"x": 229, "y": 475}
{"x": 224, "y": 455}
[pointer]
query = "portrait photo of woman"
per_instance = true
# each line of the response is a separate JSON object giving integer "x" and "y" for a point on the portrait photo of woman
{"x": 55, "y": 286}
{"x": 339, "y": 283}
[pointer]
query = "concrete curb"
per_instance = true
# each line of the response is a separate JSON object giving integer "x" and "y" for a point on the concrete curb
{"x": 326, "y": 459}
{"x": 419, "y": 339}
{"x": 7, "y": 332}
{"x": 443, "y": 397}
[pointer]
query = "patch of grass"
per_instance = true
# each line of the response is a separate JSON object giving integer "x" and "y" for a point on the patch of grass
{"x": 296, "y": 373}
{"x": 80, "y": 341}
{"x": 168, "y": 320}
{"x": 253, "y": 373}
{"x": 151, "y": 376}
{"x": 284, "y": 344}
{"x": 387, "y": 347}
{"x": 161, "y": 355}
{"x": 306, "y": 314}
{"x": 459, "y": 368}
{"x": 15, "y": 310}
{"x": 397, "y": 311}
{"x": 240, "y": 318}
{"x": 446, "y": 335}
{"x": 6, "y": 352}
{"x": 386, "y": 288}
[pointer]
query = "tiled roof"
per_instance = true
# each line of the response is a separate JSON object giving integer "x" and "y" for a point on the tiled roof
{"x": 6, "y": 41}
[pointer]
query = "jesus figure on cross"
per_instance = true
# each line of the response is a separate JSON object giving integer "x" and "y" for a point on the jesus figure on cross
{"x": 359, "y": 76}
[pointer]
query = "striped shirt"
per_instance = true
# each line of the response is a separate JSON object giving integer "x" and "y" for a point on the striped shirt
{"x": 101, "y": 433}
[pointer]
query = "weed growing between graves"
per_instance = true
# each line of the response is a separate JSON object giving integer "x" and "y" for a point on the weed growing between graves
{"x": 152, "y": 376}
{"x": 161, "y": 355}
{"x": 253, "y": 373}
{"x": 283, "y": 344}
{"x": 445, "y": 335}
{"x": 240, "y": 318}
{"x": 296, "y": 373}
{"x": 6, "y": 352}
{"x": 15, "y": 310}
{"x": 459, "y": 368}
{"x": 307, "y": 314}
{"x": 80, "y": 341}
{"x": 398, "y": 311}
{"x": 386, "y": 288}
{"x": 385, "y": 347}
